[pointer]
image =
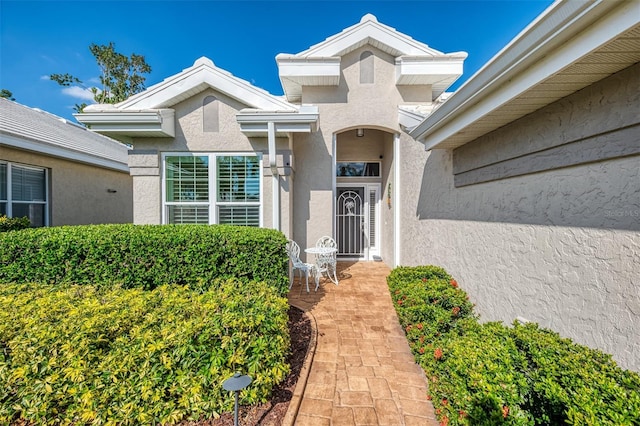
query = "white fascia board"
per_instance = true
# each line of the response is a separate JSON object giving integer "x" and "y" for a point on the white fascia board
{"x": 64, "y": 153}
{"x": 421, "y": 70}
{"x": 369, "y": 27}
{"x": 257, "y": 121}
{"x": 199, "y": 77}
{"x": 130, "y": 122}
{"x": 292, "y": 67}
{"x": 564, "y": 33}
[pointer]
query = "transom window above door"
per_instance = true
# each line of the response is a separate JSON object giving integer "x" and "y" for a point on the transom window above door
{"x": 226, "y": 193}
{"x": 358, "y": 169}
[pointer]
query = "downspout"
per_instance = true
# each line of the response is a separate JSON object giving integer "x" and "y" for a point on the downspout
{"x": 273, "y": 165}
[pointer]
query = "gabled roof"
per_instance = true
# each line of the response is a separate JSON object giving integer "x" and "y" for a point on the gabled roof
{"x": 201, "y": 76}
{"x": 416, "y": 63}
{"x": 35, "y": 130}
{"x": 149, "y": 113}
{"x": 570, "y": 46}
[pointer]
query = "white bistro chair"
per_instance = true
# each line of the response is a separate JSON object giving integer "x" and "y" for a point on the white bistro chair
{"x": 327, "y": 262}
{"x": 293, "y": 249}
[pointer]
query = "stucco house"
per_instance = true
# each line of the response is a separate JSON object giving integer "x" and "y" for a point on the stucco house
{"x": 59, "y": 173}
{"x": 528, "y": 191}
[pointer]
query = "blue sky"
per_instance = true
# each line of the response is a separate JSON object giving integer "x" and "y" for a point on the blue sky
{"x": 38, "y": 38}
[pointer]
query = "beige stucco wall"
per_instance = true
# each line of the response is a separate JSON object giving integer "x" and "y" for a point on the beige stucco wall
{"x": 343, "y": 109}
{"x": 146, "y": 159}
{"x": 78, "y": 192}
{"x": 559, "y": 247}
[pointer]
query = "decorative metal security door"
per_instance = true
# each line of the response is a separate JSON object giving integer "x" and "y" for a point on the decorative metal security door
{"x": 351, "y": 222}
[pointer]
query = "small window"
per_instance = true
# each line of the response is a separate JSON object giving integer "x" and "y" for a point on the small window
{"x": 358, "y": 169}
{"x": 366, "y": 68}
{"x": 210, "y": 118}
{"x": 23, "y": 192}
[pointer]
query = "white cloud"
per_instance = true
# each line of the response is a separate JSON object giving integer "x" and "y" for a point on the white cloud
{"x": 78, "y": 92}
{"x": 45, "y": 77}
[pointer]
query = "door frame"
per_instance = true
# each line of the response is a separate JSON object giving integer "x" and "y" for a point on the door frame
{"x": 370, "y": 252}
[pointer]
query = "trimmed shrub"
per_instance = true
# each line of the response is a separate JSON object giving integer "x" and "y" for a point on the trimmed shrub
{"x": 144, "y": 256}
{"x": 80, "y": 354}
{"x": 489, "y": 374}
{"x": 13, "y": 223}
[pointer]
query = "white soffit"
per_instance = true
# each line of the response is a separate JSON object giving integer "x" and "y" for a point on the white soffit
{"x": 127, "y": 123}
{"x": 256, "y": 122}
{"x": 320, "y": 64}
{"x": 570, "y": 46}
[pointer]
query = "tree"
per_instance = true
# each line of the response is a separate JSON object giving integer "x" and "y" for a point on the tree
{"x": 121, "y": 76}
{"x": 4, "y": 93}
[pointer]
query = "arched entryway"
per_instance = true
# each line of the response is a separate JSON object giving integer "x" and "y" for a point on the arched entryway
{"x": 363, "y": 169}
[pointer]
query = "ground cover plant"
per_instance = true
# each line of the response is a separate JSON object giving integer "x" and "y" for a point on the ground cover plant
{"x": 490, "y": 373}
{"x": 125, "y": 324}
{"x": 81, "y": 354}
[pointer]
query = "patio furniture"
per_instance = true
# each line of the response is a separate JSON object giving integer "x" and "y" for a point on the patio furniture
{"x": 293, "y": 250}
{"x": 327, "y": 262}
{"x": 323, "y": 257}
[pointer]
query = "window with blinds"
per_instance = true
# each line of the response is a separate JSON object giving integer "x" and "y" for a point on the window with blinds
{"x": 23, "y": 192}
{"x": 228, "y": 193}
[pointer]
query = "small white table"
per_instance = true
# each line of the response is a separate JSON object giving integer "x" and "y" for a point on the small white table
{"x": 321, "y": 254}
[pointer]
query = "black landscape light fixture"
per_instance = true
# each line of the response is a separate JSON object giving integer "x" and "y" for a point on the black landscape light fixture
{"x": 236, "y": 384}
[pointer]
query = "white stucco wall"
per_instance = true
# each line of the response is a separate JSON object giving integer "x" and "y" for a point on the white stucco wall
{"x": 559, "y": 247}
{"x": 79, "y": 192}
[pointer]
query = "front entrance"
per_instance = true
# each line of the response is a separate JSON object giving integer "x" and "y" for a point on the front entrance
{"x": 357, "y": 221}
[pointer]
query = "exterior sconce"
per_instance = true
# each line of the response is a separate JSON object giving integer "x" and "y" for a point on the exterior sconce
{"x": 359, "y": 133}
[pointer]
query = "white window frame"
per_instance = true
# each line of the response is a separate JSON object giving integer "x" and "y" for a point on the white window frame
{"x": 9, "y": 201}
{"x": 213, "y": 184}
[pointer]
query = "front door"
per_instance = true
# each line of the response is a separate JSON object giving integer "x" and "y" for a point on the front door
{"x": 356, "y": 221}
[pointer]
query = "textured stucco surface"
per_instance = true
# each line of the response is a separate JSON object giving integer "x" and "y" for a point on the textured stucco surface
{"x": 344, "y": 108}
{"x": 79, "y": 193}
{"x": 146, "y": 159}
{"x": 559, "y": 247}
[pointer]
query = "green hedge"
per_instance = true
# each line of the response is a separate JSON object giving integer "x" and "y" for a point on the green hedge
{"x": 488, "y": 374}
{"x": 13, "y": 223}
{"x": 87, "y": 355}
{"x": 144, "y": 256}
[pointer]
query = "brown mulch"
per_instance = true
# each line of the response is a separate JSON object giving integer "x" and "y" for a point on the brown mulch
{"x": 273, "y": 411}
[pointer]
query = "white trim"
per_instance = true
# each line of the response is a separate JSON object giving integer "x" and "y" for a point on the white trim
{"x": 60, "y": 152}
{"x": 395, "y": 195}
{"x": 563, "y": 34}
{"x": 159, "y": 122}
{"x": 10, "y": 201}
{"x": 213, "y": 182}
{"x": 334, "y": 183}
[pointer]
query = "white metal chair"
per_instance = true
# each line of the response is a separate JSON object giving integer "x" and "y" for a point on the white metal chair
{"x": 293, "y": 249}
{"x": 327, "y": 262}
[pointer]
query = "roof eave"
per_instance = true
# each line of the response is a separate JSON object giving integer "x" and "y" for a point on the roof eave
{"x": 544, "y": 48}
{"x": 156, "y": 123}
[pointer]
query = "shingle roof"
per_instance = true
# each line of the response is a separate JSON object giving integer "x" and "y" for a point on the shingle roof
{"x": 36, "y": 130}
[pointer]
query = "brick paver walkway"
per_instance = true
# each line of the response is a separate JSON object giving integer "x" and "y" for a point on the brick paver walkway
{"x": 363, "y": 372}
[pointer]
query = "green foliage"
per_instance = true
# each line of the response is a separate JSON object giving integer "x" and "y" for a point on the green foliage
{"x": 144, "y": 256}
{"x": 13, "y": 223}
{"x": 7, "y": 94}
{"x": 489, "y": 374}
{"x": 81, "y": 354}
{"x": 121, "y": 76}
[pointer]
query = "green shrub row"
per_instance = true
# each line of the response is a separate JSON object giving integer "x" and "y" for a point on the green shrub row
{"x": 490, "y": 374}
{"x": 13, "y": 223}
{"x": 86, "y": 355}
{"x": 144, "y": 256}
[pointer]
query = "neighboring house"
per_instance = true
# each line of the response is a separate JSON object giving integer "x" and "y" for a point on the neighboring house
{"x": 536, "y": 216}
{"x": 59, "y": 173}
